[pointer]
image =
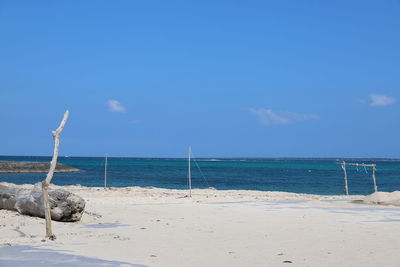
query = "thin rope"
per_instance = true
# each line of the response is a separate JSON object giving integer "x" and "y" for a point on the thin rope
{"x": 202, "y": 174}
{"x": 365, "y": 170}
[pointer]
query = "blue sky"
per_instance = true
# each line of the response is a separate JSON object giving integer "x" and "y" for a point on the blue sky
{"x": 230, "y": 78}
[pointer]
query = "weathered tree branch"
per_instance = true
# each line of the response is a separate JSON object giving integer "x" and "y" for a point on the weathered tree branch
{"x": 46, "y": 182}
{"x": 56, "y": 138}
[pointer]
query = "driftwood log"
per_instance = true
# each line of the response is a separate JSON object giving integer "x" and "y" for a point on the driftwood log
{"x": 56, "y": 204}
{"x": 64, "y": 206}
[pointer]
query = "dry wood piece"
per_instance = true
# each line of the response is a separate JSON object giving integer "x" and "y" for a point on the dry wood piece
{"x": 64, "y": 206}
{"x": 57, "y": 204}
{"x": 46, "y": 182}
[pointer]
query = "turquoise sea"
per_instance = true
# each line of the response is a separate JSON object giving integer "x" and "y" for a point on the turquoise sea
{"x": 314, "y": 176}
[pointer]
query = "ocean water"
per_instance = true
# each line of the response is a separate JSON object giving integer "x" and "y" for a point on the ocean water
{"x": 313, "y": 176}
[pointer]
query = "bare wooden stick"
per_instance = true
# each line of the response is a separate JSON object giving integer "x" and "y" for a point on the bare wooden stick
{"x": 374, "y": 178}
{"x": 46, "y": 182}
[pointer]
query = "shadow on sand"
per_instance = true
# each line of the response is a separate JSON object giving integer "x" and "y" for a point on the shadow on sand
{"x": 18, "y": 256}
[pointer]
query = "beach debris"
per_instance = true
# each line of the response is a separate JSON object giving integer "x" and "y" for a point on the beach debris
{"x": 64, "y": 205}
{"x": 56, "y": 204}
{"x": 93, "y": 214}
{"x": 287, "y": 261}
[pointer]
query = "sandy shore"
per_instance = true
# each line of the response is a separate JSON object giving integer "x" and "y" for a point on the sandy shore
{"x": 160, "y": 227}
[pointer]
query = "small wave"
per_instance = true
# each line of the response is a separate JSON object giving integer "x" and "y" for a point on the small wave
{"x": 209, "y": 160}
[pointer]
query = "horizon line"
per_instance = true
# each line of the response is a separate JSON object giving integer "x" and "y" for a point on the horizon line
{"x": 244, "y": 157}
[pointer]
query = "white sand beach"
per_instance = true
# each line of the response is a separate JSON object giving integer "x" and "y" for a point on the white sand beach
{"x": 160, "y": 227}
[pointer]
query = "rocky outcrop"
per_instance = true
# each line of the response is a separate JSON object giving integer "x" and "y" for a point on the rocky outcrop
{"x": 31, "y": 167}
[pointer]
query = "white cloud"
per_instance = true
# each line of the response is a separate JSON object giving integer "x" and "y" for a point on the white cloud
{"x": 376, "y": 100}
{"x": 269, "y": 117}
{"x": 115, "y": 106}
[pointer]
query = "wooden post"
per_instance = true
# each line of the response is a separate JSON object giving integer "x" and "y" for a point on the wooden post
{"x": 190, "y": 174}
{"x": 46, "y": 182}
{"x": 374, "y": 178}
{"x": 105, "y": 172}
{"x": 346, "y": 188}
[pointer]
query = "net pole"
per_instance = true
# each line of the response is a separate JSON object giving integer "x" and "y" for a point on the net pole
{"x": 105, "y": 173}
{"x": 189, "y": 173}
{"x": 346, "y": 188}
{"x": 374, "y": 178}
